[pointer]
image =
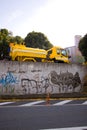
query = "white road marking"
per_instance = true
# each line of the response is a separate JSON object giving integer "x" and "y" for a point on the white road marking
{"x": 62, "y": 102}
{"x": 69, "y": 128}
{"x": 41, "y": 101}
{"x": 32, "y": 103}
{"x": 84, "y": 102}
{"x": 5, "y": 103}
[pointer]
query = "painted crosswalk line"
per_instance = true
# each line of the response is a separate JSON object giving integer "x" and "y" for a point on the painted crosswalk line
{"x": 32, "y": 103}
{"x": 69, "y": 128}
{"x": 85, "y": 102}
{"x": 5, "y": 103}
{"x": 43, "y": 102}
{"x": 62, "y": 102}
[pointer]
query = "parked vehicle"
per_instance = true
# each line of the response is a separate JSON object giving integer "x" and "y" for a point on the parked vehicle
{"x": 20, "y": 52}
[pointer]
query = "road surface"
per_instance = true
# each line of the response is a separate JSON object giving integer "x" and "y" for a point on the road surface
{"x": 38, "y": 115}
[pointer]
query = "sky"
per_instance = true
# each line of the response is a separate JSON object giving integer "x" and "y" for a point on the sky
{"x": 58, "y": 20}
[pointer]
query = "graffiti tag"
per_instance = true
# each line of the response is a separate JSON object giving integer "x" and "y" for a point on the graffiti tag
{"x": 8, "y": 79}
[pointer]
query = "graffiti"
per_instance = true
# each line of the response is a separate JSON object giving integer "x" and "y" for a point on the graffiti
{"x": 66, "y": 80}
{"x": 8, "y": 81}
{"x": 46, "y": 85}
{"x": 36, "y": 86}
{"x": 35, "y": 70}
{"x": 41, "y": 78}
{"x": 27, "y": 84}
{"x": 63, "y": 82}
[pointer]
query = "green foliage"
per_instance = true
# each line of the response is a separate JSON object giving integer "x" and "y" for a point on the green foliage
{"x": 18, "y": 39}
{"x": 6, "y": 38}
{"x": 83, "y": 47}
{"x": 33, "y": 39}
{"x": 4, "y": 42}
{"x": 37, "y": 40}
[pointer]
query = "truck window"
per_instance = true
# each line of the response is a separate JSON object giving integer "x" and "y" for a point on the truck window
{"x": 63, "y": 52}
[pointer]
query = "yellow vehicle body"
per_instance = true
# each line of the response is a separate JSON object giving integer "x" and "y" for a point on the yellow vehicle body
{"x": 20, "y": 52}
{"x": 58, "y": 55}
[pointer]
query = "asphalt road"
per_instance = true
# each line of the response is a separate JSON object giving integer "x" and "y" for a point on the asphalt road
{"x": 42, "y": 117}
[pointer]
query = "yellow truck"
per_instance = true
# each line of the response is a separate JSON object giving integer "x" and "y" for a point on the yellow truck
{"x": 20, "y": 52}
{"x": 58, "y": 55}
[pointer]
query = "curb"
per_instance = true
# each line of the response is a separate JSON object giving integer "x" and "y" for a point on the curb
{"x": 62, "y": 96}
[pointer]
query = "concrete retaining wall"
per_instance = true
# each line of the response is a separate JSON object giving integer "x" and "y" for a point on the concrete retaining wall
{"x": 20, "y": 78}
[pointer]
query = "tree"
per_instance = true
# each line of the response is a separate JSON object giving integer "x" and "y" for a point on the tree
{"x": 37, "y": 40}
{"x": 5, "y": 36}
{"x": 83, "y": 47}
{"x": 18, "y": 39}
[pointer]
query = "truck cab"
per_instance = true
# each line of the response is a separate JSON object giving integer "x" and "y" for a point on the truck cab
{"x": 58, "y": 55}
